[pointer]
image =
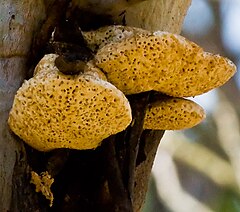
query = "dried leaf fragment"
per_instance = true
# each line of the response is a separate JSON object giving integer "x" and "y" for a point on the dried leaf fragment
{"x": 43, "y": 184}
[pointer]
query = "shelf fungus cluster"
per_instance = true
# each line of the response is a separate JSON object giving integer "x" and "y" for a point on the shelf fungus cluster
{"x": 53, "y": 110}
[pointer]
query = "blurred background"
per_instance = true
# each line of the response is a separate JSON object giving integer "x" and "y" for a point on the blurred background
{"x": 198, "y": 170}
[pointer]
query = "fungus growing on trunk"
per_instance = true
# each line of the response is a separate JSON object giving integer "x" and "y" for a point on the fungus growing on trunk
{"x": 53, "y": 110}
{"x": 173, "y": 114}
{"x": 142, "y": 61}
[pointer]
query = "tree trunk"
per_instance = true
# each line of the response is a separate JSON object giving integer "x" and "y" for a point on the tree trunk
{"x": 19, "y": 20}
{"x": 21, "y": 23}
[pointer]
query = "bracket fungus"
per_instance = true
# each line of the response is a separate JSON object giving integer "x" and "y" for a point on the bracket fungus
{"x": 168, "y": 63}
{"x": 173, "y": 114}
{"x": 53, "y": 110}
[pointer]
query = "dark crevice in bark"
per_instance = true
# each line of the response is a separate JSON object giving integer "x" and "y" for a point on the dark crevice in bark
{"x": 141, "y": 157}
{"x": 88, "y": 20}
{"x": 69, "y": 44}
{"x": 117, "y": 189}
{"x": 78, "y": 185}
{"x": 55, "y": 11}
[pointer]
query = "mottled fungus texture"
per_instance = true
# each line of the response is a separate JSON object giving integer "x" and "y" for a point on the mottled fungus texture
{"x": 163, "y": 62}
{"x": 53, "y": 110}
{"x": 173, "y": 114}
{"x": 96, "y": 39}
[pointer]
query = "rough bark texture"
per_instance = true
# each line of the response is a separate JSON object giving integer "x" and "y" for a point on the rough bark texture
{"x": 157, "y": 15}
{"x": 19, "y": 23}
{"x": 148, "y": 148}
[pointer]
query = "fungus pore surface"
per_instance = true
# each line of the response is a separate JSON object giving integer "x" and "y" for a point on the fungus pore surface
{"x": 53, "y": 110}
{"x": 163, "y": 62}
{"x": 98, "y": 38}
{"x": 173, "y": 114}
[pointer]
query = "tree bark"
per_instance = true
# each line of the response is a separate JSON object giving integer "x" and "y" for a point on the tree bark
{"x": 157, "y": 15}
{"x": 20, "y": 23}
